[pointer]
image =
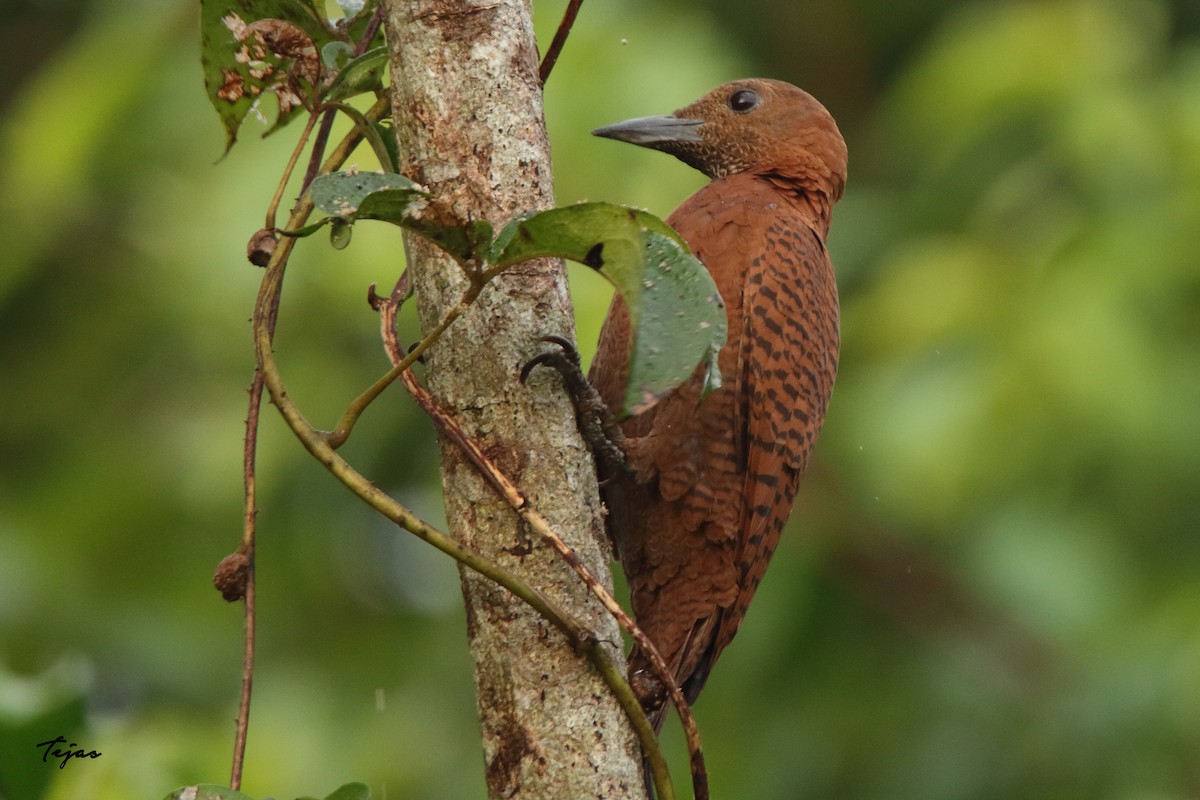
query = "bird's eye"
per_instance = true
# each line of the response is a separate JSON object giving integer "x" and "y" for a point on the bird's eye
{"x": 743, "y": 101}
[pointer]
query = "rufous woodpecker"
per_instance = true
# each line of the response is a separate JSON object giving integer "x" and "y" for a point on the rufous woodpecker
{"x": 709, "y": 483}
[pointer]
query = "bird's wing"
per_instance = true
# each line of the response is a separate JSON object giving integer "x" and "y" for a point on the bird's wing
{"x": 788, "y": 361}
{"x": 676, "y": 524}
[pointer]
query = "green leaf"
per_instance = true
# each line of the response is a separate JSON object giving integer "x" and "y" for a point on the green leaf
{"x": 384, "y": 132}
{"x": 251, "y": 48}
{"x": 207, "y": 791}
{"x": 677, "y": 316}
{"x": 351, "y": 791}
{"x": 363, "y": 74}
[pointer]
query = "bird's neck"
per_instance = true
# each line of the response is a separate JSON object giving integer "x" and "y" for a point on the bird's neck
{"x": 812, "y": 194}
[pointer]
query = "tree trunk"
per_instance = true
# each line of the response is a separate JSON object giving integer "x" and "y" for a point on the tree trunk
{"x": 468, "y": 111}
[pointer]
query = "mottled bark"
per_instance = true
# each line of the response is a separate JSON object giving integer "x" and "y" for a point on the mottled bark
{"x": 468, "y": 111}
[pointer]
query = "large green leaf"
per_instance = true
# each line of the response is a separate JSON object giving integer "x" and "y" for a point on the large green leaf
{"x": 677, "y": 315}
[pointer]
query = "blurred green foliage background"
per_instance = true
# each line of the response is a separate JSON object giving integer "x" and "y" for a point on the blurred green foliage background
{"x": 990, "y": 587}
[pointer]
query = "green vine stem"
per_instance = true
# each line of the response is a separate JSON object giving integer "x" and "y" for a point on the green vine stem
{"x": 371, "y": 133}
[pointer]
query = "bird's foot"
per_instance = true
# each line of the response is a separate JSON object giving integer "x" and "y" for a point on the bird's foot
{"x": 651, "y": 693}
{"x": 596, "y": 423}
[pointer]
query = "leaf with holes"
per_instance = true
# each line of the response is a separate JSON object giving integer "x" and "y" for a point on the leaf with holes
{"x": 677, "y": 316}
{"x": 254, "y": 48}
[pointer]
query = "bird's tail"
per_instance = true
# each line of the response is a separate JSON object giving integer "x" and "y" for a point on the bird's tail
{"x": 656, "y": 700}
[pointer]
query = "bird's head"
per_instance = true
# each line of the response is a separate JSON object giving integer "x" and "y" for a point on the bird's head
{"x": 752, "y": 125}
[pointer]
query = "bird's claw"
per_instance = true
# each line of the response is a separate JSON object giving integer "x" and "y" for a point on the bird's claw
{"x": 564, "y": 359}
{"x": 596, "y": 423}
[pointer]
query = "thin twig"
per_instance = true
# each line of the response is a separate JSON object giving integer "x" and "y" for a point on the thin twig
{"x": 265, "y": 316}
{"x": 318, "y": 151}
{"x": 519, "y": 503}
{"x": 247, "y": 550}
{"x": 382, "y": 155}
{"x": 287, "y": 171}
{"x": 243, "y": 715}
{"x": 369, "y": 33}
{"x": 560, "y": 39}
{"x": 338, "y": 436}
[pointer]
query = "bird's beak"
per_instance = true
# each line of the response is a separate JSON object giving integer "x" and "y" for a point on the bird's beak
{"x": 653, "y": 131}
